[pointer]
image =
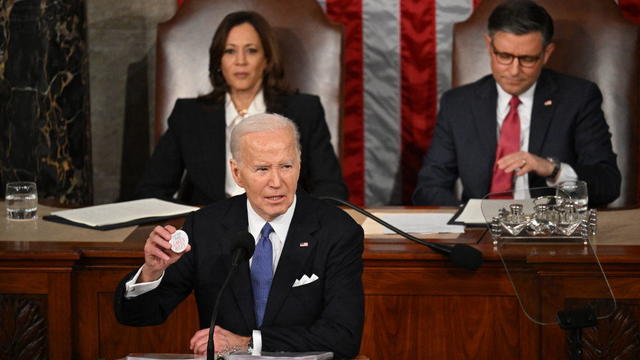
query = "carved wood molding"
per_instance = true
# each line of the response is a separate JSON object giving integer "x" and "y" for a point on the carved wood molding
{"x": 616, "y": 337}
{"x": 23, "y": 327}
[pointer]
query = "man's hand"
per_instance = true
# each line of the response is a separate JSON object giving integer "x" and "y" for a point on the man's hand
{"x": 525, "y": 162}
{"x": 224, "y": 340}
{"x": 157, "y": 253}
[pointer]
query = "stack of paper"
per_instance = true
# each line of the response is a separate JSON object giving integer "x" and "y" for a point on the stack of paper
{"x": 127, "y": 213}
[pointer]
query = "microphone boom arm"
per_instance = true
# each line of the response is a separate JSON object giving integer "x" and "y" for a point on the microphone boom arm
{"x": 461, "y": 255}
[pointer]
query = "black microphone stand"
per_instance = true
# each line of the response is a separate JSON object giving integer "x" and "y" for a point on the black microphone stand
{"x": 214, "y": 314}
{"x": 466, "y": 252}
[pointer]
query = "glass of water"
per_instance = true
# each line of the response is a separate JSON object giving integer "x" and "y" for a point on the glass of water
{"x": 576, "y": 190}
{"x": 21, "y": 199}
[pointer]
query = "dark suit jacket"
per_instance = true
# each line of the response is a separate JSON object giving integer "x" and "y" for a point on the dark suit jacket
{"x": 566, "y": 123}
{"x": 325, "y": 315}
{"x": 195, "y": 141}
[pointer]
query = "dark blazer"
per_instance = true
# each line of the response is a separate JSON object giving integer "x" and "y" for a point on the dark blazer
{"x": 325, "y": 315}
{"x": 567, "y": 123}
{"x": 195, "y": 142}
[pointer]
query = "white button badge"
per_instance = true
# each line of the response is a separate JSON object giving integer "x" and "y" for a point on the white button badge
{"x": 179, "y": 241}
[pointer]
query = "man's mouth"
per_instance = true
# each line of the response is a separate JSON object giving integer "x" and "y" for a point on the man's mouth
{"x": 275, "y": 197}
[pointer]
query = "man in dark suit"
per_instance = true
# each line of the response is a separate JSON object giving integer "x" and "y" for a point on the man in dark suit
{"x": 521, "y": 127}
{"x": 301, "y": 290}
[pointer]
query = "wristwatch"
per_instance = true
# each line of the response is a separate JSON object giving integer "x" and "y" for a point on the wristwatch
{"x": 556, "y": 168}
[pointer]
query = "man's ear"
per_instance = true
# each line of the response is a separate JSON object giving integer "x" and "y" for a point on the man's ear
{"x": 548, "y": 50}
{"x": 487, "y": 41}
{"x": 235, "y": 172}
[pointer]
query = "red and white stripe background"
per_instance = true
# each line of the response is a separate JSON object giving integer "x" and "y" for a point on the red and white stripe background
{"x": 397, "y": 63}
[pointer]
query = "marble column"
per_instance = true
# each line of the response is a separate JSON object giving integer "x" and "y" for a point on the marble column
{"x": 44, "y": 98}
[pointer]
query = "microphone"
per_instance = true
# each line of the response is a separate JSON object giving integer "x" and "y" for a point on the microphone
{"x": 242, "y": 246}
{"x": 461, "y": 255}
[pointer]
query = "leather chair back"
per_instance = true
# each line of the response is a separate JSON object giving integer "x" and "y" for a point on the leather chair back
{"x": 593, "y": 41}
{"x": 311, "y": 46}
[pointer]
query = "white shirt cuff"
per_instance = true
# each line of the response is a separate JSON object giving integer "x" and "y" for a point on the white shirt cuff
{"x": 257, "y": 343}
{"x": 132, "y": 289}
{"x": 566, "y": 174}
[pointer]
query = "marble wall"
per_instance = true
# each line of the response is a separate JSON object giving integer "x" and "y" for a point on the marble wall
{"x": 121, "y": 38}
{"x": 44, "y": 98}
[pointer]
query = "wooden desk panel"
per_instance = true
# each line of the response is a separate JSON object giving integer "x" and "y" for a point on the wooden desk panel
{"x": 36, "y": 310}
{"x": 417, "y": 305}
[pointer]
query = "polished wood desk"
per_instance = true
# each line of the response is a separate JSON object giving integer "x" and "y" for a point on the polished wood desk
{"x": 57, "y": 296}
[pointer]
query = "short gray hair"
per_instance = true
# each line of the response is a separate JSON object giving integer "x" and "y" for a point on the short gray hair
{"x": 261, "y": 123}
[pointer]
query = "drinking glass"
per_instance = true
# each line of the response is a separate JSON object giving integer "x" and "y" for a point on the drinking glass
{"x": 576, "y": 190}
{"x": 21, "y": 199}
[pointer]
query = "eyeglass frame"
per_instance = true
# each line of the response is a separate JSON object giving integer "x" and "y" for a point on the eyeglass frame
{"x": 534, "y": 59}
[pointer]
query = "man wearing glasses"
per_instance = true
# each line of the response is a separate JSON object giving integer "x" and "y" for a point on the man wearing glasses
{"x": 521, "y": 127}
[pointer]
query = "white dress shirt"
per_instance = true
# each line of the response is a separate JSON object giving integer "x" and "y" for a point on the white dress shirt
{"x": 525, "y": 110}
{"x": 233, "y": 118}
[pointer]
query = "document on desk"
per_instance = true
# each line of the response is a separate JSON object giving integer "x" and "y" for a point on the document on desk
{"x": 470, "y": 213}
{"x": 239, "y": 356}
{"x": 281, "y": 356}
{"x": 126, "y": 213}
{"x": 421, "y": 223}
{"x": 476, "y": 211}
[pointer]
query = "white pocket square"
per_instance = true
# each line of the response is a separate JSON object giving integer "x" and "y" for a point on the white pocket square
{"x": 304, "y": 280}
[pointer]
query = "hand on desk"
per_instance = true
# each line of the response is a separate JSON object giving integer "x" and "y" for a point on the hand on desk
{"x": 525, "y": 162}
{"x": 223, "y": 339}
{"x": 157, "y": 253}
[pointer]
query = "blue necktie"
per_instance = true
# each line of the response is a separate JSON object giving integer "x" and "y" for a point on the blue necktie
{"x": 262, "y": 272}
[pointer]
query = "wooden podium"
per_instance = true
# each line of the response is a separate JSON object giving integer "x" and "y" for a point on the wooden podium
{"x": 57, "y": 297}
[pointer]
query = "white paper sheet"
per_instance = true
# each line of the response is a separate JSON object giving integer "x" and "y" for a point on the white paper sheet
{"x": 422, "y": 223}
{"x": 478, "y": 210}
{"x": 122, "y": 212}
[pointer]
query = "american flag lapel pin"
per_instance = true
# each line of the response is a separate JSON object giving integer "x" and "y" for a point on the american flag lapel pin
{"x": 304, "y": 244}
{"x": 548, "y": 103}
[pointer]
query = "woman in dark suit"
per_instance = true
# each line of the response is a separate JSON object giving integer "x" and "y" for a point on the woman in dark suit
{"x": 246, "y": 72}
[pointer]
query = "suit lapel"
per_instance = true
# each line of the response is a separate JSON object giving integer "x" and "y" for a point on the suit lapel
{"x": 235, "y": 221}
{"x": 542, "y": 112}
{"x": 293, "y": 258}
{"x": 484, "y": 111}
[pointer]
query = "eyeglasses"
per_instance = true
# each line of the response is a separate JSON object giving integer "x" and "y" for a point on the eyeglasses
{"x": 527, "y": 61}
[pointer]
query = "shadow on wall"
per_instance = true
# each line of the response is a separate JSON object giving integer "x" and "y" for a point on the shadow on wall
{"x": 135, "y": 144}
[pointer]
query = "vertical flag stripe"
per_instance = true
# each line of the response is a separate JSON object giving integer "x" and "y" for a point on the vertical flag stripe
{"x": 381, "y": 103}
{"x": 630, "y": 9}
{"x": 419, "y": 86}
{"x": 349, "y": 13}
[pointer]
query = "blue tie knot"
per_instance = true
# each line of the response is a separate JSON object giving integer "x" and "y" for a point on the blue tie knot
{"x": 266, "y": 231}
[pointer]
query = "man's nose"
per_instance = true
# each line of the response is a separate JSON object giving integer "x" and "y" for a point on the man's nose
{"x": 514, "y": 67}
{"x": 276, "y": 179}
